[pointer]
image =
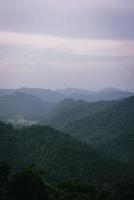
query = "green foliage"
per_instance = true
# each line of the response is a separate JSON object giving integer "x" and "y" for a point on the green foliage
{"x": 4, "y": 172}
{"x": 59, "y": 155}
{"x": 27, "y": 184}
{"x": 110, "y": 130}
{"x": 77, "y": 190}
{"x": 73, "y": 167}
{"x": 122, "y": 189}
{"x": 4, "y": 178}
{"x": 63, "y": 157}
{"x": 9, "y": 149}
{"x": 70, "y": 110}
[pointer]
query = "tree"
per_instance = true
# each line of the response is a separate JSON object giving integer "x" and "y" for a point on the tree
{"x": 26, "y": 185}
{"x": 4, "y": 178}
{"x": 122, "y": 190}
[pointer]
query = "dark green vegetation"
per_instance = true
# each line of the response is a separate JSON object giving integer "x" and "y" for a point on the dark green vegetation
{"x": 108, "y": 126}
{"x": 84, "y": 158}
{"x": 70, "y": 110}
{"x": 29, "y": 184}
{"x": 28, "y": 106}
{"x": 110, "y": 130}
{"x": 60, "y": 155}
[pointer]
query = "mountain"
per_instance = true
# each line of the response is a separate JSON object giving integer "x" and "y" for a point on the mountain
{"x": 44, "y": 94}
{"x": 106, "y": 94}
{"x": 61, "y": 156}
{"x": 70, "y": 110}
{"x": 57, "y": 96}
{"x": 71, "y": 91}
{"x": 109, "y": 94}
{"x": 110, "y": 89}
{"x": 20, "y": 104}
{"x": 111, "y": 130}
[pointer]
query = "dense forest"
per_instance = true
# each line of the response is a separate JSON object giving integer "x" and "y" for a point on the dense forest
{"x": 29, "y": 184}
{"x": 77, "y": 151}
{"x": 44, "y": 163}
{"x": 60, "y": 155}
{"x": 110, "y": 130}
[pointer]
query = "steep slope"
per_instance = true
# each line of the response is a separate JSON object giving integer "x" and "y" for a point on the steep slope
{"x": 58, "y": 154}
{"x": 111, "y": 129}
{"x": 70, "y": 110}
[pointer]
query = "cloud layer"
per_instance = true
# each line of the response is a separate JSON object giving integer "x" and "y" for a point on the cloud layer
{"x": 75, "y": 18}
{"x": 48, "y": 61}
{"x": 59, "y": 43}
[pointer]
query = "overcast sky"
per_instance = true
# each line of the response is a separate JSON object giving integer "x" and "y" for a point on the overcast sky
{"x": 67, "y": 43}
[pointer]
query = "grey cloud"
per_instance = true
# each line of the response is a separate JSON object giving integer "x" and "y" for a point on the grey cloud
{"x": 27, "y": 60}
{"x": 81, "y": 18}
{"x": 35, "y": 57}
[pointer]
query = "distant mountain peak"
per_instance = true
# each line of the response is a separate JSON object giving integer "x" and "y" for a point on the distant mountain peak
{"x": 111, "y": 89}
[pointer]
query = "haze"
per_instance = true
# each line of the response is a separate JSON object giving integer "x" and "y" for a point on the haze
{"x": 59, "y": 43}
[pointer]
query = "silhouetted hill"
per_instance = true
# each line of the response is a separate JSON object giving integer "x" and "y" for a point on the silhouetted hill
{"x": 44, "y": 94}
{"x": 48, "y": 95}
{"x": 109, "y": 95}
{"x": 71, "y": 91}
{"x": 106, "y": 94}
{"x": 22, "y": 104}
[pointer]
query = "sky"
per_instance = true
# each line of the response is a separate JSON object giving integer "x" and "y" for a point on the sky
{"x": 67, "y": 43}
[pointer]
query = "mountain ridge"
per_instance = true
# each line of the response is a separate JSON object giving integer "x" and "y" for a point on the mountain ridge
{"x": 56, "y": 96}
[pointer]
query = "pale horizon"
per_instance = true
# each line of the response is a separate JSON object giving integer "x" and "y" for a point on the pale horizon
{"x": 60, "y": 44}
{"x": 64, "y": 88}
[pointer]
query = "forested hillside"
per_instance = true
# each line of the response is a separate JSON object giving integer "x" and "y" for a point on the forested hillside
{"x": 111, "y": 130}
{"x": 29, "y": 183}
{"x": 61, "y": 156}
{"x": 91, "y": 159}
{"x": 70, "y": 110}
